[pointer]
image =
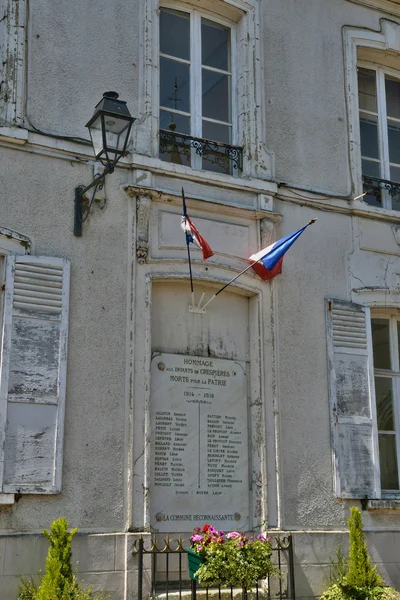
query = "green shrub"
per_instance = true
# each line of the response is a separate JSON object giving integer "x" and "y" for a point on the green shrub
{"x": 355, "y": 578}
{"x": 359, "y": 571}
{"x": 58, "y": 576}
{"x": 59, "y": 581}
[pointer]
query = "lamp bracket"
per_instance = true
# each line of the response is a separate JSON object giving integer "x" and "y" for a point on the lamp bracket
{"x": 82, "y": 204}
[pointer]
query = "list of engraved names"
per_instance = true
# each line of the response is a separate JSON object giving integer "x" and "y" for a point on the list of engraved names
{"x": 200, "y": 442}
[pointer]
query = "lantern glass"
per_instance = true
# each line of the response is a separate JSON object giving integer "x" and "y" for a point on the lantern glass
{"x": 116, "y": 136}
{"x": 109, "y": 129}
{"x": 96, "y": 134}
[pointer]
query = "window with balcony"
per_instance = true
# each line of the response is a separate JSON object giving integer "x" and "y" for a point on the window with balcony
{"x": 197, "y": 100}
{"x": 379, "y": 106}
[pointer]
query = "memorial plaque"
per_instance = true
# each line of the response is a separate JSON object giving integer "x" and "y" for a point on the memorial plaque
{"x": 199, "y": 436}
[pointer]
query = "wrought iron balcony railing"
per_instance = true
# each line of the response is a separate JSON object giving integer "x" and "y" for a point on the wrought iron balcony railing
{"x": 224, "y": 156}
{"x": 374, "y": 186}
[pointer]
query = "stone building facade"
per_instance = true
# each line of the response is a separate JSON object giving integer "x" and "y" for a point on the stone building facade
{"x": 269, "y": 114}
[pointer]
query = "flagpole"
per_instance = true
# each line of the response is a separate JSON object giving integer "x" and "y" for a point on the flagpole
{"x": 225, "y": 286}
{"x": 188, "y": 249}
{"x": 241, "y": 273}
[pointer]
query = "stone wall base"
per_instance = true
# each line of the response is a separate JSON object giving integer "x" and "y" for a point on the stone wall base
{"x": 106, "y": 562}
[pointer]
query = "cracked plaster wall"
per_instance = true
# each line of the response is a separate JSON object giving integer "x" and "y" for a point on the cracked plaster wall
{"x": 39, "y": 203}
{"x": 77, "y": 51}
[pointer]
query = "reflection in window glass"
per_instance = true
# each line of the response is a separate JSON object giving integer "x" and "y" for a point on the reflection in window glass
{"x": 174, "y": 85}
{"x": 171, "y": 121}
{"x": 217, "y": 132}
{"x": 388, "y": 462}
{"x": 367, "y": 90}
{"x": 392, "y": 87}
{"x": 394, "y": 141}
{"x": 384, "y": 403}
{"x": 386, "y": 335}
{"x": 215, "y": 45}
{"x": 175, "y": 33}
{"x": 371, "y": 168}
{"x": 216, "y": 96}
{"x": 381, "y": 344}
{"x": 369, "y": 136}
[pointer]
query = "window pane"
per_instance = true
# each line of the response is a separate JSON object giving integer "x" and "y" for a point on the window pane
{"x": 171, "y": 148}
{"x": 174, "y": 85}
{"x": 388, "y": 462}
{"x": 173, "y": 122}
{"x": 367, "y": 90}
{"x": 369, "y": 136}
{"x": 395, "y": 176}
{"x": 216, "y": 96}
{"x": 380, "y": 341}
{"x": 370, "y": 168}
{"x": 175, "y": 33}
{"x": 398, "y": 335}
{"x": 384, "y": 403}
{"x": 215, "y": 45}
{"x": 217, "y": 162}
{"x": 392, "y": 97}
{"x": 394, "y": 142}
{"x": 216, "y": 132}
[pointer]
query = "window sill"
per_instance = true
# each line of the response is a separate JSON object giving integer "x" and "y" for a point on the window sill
{"x": 383, "y": 505}
{"x": 158, "y": 166}
{"x": 362, "y": 209}
{"x": 70, "y": 149}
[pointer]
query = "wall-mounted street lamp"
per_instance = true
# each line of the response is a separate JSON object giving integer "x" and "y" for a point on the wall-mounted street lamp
{"x": 109, "y": 130}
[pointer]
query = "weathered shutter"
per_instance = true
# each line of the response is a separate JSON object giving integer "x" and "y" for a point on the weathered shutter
{"x": 33, "y": 373}
{"x": 354, "y": 434}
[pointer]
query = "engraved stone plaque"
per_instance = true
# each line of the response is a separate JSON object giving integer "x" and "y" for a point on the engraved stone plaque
{"x": 199, "y": 443}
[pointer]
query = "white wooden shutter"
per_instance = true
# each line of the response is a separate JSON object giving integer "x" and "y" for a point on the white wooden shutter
{"x": 33, "y": 374}
{"x": 352, "y": 395}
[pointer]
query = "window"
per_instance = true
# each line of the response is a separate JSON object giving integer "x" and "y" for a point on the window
{"x": 196, "y": 92}
{"x": 379, "y": 106}
{"x": 247, "y": 154}
{"x": 385, "y": 339}
{"x": 364, "y": 389}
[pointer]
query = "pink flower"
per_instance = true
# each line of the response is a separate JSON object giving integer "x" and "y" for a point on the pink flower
{"x": 197, "y": 538}
{"x": 240, "y": 543}
{"x": 233, "y": 534}
{"x": 261, "y": 537}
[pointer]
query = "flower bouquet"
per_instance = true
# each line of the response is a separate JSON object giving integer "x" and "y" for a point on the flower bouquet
{"x": 229, "y": 558}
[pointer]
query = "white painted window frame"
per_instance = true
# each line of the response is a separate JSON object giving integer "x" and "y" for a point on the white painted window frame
{"x": 244, "y": 16}
{"x": 388, "y": 38}
{"x": 394, "y": 375}
{"x": 12, "y": 61}
{"x": 196, "y": 115}
{"x": 383, "y": 139}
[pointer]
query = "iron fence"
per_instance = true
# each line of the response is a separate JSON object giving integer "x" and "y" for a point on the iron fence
{"x": 163, "y": 573}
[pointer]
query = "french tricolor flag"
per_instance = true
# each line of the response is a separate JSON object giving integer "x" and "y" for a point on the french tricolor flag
{"x": 268, "y": 262}
{"x": 193, "y": 234}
